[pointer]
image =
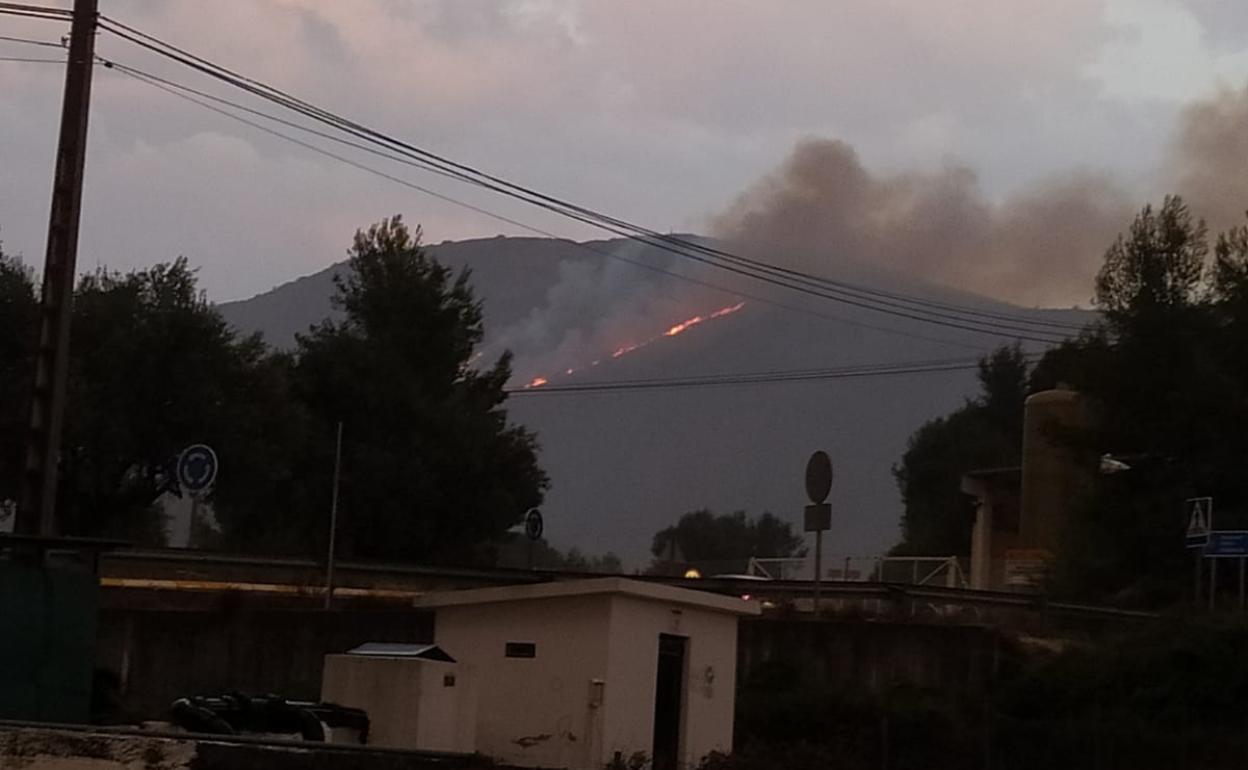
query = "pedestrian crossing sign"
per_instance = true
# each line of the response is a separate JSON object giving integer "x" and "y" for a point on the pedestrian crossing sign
{"x": 1199, "y": 521}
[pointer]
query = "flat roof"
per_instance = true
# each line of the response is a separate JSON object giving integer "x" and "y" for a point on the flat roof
{"x": 617, "y": 586}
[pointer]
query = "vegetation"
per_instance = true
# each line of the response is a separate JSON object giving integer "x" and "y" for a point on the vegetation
{"x": 1166, "y": 372}
{"x": 1158, "y": 696}
{"x": 724, "y": 542}
{"x": 432, "y": 470}
{"x": 518, "y": 551}
{"x": 985, "y": 432}
{"x": 429, "y": 454}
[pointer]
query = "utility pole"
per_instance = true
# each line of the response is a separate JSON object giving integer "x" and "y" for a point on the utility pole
{"x": 333, "y": 521}
{"x": 37, "y": 513}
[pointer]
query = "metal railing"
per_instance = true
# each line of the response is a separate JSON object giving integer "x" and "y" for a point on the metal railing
{"x": 910, "y": 570}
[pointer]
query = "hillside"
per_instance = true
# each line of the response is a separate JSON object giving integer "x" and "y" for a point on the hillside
{"x": 625, "y": 464}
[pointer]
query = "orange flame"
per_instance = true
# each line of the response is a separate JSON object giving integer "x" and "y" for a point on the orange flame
{"x": 680, "y": 327}
{"x": 697, "y": 319}
{"x": 672, "y": 331}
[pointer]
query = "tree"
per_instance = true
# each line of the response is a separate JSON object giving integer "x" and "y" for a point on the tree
{"x": 1167, "y": 383}
{"x": 1156, "y": 268}
{"x": 515, "y": 551}
{"x": 432, "y": 469}
{"x": 19, "y": 315}
{"x": 985, "y": 432}
{"x": 725, "y": 542}
{"x": 154, "y": 368}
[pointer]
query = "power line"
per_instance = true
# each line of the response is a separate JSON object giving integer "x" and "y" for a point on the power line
{"x": 30, "y": 41}
{"x": 723, "y": 260}
{"x": 35, "y": 11}
{"x": 176, "y": 89}
{"x": 31, "y": 61}
{"x": 751, "y": 378}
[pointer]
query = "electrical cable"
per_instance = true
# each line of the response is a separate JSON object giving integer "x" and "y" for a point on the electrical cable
{"x": 174, "y": 88}
{"x": 35, "y": 12}
{"x": 30, "y": 41}
{"x": 751, "y": 378}
{"x": 726, "y": 261}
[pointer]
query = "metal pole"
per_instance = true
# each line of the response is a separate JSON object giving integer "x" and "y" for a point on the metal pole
{"x": 1241, "y": 584}
{"x": 190, "y": 530}
{"x": 333, "y": 521}
{"x": 1196, "y": 582}
{"x": 845, "y": 574}
{"x": 1213, "y": 584}
{"x": 818, "y": 566}
{"x": 47, "y": 408}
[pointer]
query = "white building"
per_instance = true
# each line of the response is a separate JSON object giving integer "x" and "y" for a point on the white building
{"x": 572, "y": 674}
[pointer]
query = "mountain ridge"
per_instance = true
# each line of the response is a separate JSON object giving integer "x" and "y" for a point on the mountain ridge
{"x": 625, "y": 464}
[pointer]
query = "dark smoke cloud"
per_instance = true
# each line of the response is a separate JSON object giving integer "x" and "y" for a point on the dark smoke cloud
{"x": 824, "y": 212}
{"x": 1209, "y": 158}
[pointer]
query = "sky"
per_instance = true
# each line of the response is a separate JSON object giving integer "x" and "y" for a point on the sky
{"x": 659, "y": 112}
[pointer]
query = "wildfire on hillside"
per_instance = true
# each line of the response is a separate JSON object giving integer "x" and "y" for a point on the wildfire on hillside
{"x": 629, "y": 347}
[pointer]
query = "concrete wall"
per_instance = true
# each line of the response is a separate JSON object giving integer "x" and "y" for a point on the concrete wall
{"x": 536, "y": 711}
{"x": 411, "y": 703}
{"x": 710, "y": 677}
{"x": 872, "y": 656}
{"x": 47, "y": 635}
{"x": 157, "y": 656}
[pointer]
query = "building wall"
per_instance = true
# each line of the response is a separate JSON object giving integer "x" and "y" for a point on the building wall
{"x": 1057, "y": 474}
{"x": 47, "y": 635}
{"x": 155, "y": 656}
{"x": 410, "y": 702}
{"x": 710, "y": 677}
{"x": 536, "y": 711}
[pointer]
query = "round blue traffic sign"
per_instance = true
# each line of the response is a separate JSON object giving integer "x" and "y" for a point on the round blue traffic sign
{"x": 197, "y": 468}
{"x": 533, "y": 524}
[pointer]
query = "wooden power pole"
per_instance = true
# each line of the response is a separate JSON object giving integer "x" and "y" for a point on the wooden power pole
{"x": 37, "y": 513}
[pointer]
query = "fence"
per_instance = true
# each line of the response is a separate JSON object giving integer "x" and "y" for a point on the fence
{"x": 943, "y": 571}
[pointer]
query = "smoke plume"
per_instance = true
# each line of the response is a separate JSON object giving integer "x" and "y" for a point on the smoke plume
{"x": 825, "y": 213}
{"x": 1208, "y": 161}
{"x": 596, "y": 307}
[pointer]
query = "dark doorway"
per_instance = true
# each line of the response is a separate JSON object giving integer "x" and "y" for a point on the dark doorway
{"x": 669, "y": 685}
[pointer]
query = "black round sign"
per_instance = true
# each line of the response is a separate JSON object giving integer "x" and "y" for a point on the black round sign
{"x": 197, "y": 468}
{"x": 533, "y": 524}
{"x": 818, "y": 477}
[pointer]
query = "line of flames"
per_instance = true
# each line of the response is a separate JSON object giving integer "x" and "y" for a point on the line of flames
{"x": 672, "y": 331}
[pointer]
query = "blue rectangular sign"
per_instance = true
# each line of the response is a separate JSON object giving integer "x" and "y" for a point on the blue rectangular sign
{"x": 1227, "y": 544}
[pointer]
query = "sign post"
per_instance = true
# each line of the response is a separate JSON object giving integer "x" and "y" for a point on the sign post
{"x": 819, "y": 512}
{"x": 196, "y": 470}
{"x": 1226, "y": 544}
{"x": 533, "y": 528}
{"x": 1199, "y": 523}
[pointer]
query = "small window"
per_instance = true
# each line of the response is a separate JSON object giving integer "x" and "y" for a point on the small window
{"x": 521, "y": 650}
